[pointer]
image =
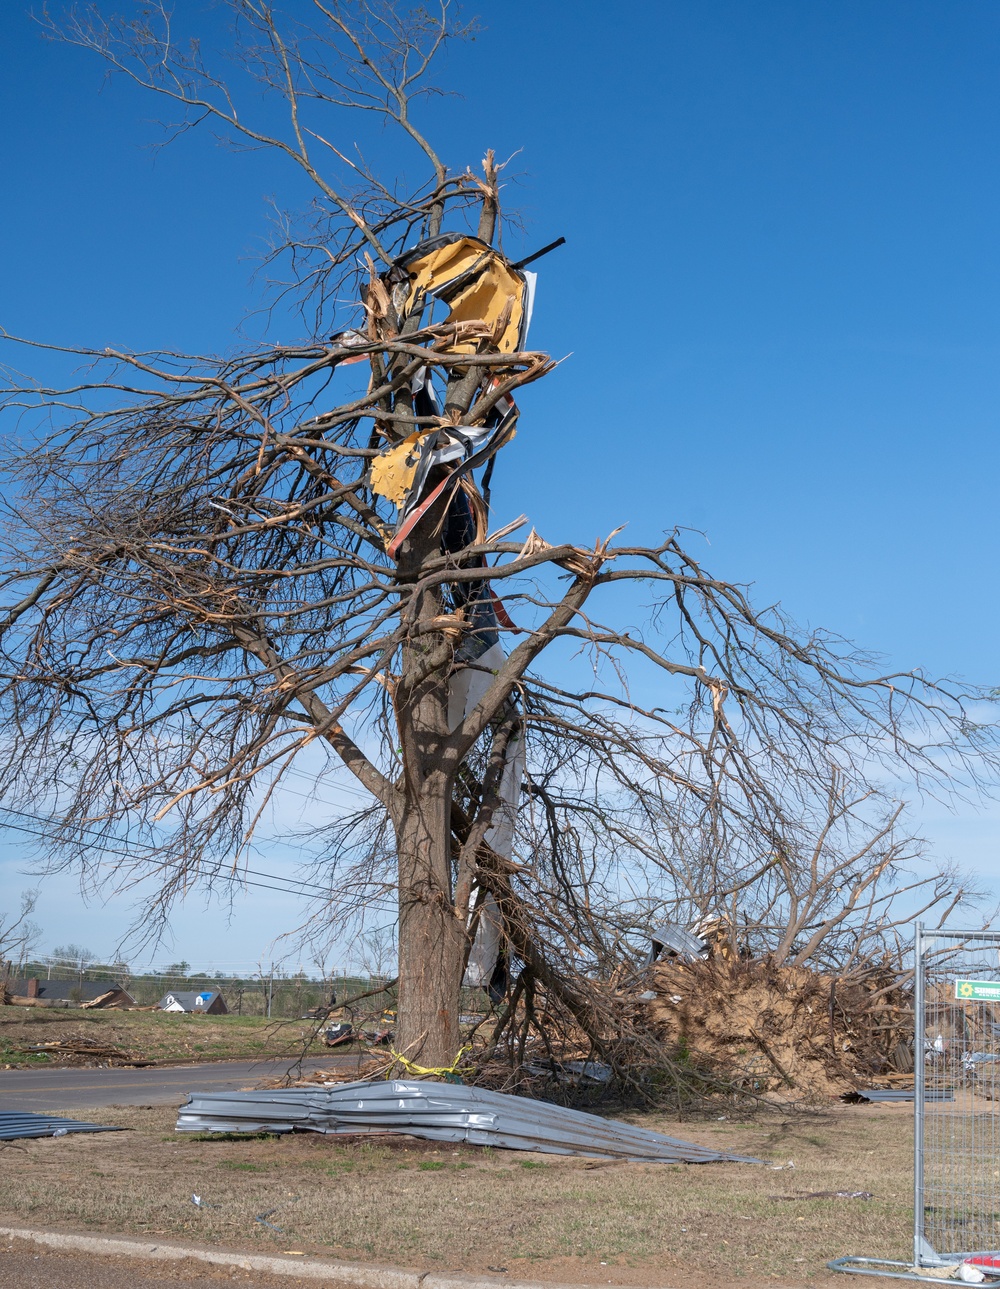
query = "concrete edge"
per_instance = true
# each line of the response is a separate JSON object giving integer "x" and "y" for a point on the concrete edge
{"x": 360, "y": 1274}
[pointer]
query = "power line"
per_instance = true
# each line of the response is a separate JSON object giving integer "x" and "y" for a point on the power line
{"x": 166, "y": 863}
{"x": 316, "y": 888}
{"x": 342, "y": 787}
{"x": 102, "y": 845}
{"x": 246, "y": 967}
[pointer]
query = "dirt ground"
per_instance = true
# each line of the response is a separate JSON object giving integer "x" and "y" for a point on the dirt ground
{"x": 406, "y": 1203}
{"x": 25, "y": 1265}
{"x": 150, "y": 1036}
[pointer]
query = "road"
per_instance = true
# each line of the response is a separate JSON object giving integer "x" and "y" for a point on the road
{"x": 78, "y": 1089}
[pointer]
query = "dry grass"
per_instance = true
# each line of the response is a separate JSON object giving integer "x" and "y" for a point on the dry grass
{"x": 153, "y": 1036}
{"x": 406, "y": 1203}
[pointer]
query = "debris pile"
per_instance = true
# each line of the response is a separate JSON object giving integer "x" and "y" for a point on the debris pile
{"x": 773, "y": 1029}
{"x": 700, "y": 1019}
{"x": 438, "y": 1112}
{"x": 86, "y": 994}
{"x": 83, "y": 1052}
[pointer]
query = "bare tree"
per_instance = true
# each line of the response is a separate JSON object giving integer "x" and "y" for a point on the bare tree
{"x": 72, "y": 958}
{"x": 19, "y": 934}
{"x": 217, "y": 566}
{"x": 838, "y": 881}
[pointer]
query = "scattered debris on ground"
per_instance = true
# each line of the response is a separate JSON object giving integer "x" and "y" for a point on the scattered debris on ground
{"x": 41, "y": 1037}
{"x": 863, "y": 1096}
{"x": 435, "y": 1206}
{"x": 92, "y": 1053}
{"x": 800, "y": 1195}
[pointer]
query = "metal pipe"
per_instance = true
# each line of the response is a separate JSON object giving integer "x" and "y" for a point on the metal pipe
{"x": 989, "y": 937}
{"x": 919, "y": 1080}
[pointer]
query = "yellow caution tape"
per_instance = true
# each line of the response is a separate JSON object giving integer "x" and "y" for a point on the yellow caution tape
{"x": 441, "y": 1071}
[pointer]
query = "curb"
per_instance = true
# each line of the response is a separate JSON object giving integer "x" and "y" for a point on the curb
{"x": 361, "y": 1275}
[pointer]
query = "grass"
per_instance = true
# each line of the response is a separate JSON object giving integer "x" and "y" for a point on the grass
{"x": 152, "y": 1036}
{"x": 404, "y": 1202}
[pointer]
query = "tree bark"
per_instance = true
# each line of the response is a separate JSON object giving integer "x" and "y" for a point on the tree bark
{"x": 431, "y": 935}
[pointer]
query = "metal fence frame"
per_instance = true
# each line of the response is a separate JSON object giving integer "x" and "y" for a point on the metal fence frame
{"x": 958, "y": 1132}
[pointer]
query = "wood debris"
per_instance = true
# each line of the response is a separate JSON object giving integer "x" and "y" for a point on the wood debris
{"x": 95, "y": 1051}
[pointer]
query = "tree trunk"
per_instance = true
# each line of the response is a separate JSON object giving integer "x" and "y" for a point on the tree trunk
{"x": 431, "y": 935}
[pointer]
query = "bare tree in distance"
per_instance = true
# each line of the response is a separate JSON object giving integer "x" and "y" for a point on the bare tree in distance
{"x": 75, "y": 958}
{"x": 19, "y": 934}
{"x": 209, "y": 577}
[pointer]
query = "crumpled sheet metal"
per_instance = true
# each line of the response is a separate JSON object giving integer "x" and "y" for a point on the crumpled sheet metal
{"x": 677, "y": 939}
{"x": 482, "y": 290}
{"x": 475, "y": 280}
{"x": 393, "y": 471}
{"x": 439, "y": 1112}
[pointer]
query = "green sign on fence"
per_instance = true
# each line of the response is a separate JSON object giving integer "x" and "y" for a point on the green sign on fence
{"x": 983, "y": 991}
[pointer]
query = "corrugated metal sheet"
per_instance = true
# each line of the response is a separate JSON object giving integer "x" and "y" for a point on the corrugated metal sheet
{"x": 438, "y": 1112}
{"x": 676, "y": 938}
{"x": 905, "y": 1094}
{"x": 14, "y": 1124}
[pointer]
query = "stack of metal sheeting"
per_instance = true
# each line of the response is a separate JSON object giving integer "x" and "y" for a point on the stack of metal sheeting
{"x": 905, "y": 1094}
{"x": 15, "y": 1124}
{"x": 439, "y": 1112}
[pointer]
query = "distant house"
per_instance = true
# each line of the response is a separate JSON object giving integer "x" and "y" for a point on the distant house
{"x": 209, "y": 1002}
{"x": 65, "y": 993}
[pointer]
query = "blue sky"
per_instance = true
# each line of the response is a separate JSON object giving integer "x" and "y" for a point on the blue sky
{"x": 779, "y": 296}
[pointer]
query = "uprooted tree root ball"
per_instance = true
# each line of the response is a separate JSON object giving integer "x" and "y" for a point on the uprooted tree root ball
{"x": 782, "y": 1030}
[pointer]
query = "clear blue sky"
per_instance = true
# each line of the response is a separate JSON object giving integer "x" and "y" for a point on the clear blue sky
{"x": 780, "y": 293}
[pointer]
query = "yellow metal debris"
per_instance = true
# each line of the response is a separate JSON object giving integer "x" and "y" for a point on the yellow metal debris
{"x": 393, "y": 470}
{"x": 486, "y": 289}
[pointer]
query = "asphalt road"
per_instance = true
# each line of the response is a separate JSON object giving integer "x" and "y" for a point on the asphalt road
{"x": 77, "y": 1089}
